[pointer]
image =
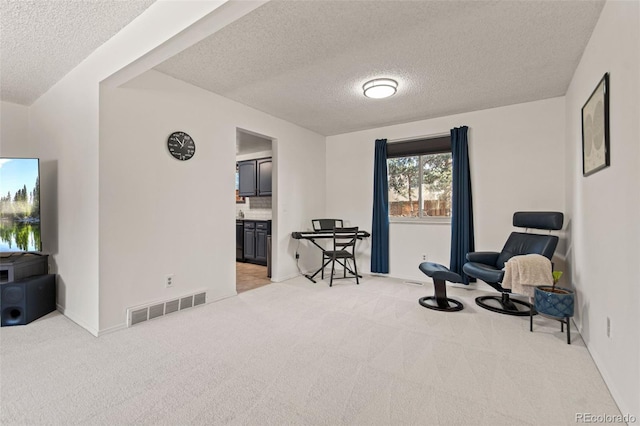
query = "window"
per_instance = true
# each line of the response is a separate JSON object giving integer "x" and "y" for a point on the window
{"x": 419, "y": 175}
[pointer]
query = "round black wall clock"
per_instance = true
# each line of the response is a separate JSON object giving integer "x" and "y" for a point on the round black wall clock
{"x": 181, "y": 146}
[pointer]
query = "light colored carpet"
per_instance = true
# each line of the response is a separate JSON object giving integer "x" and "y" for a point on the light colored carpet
{"x": 298, "y": 353}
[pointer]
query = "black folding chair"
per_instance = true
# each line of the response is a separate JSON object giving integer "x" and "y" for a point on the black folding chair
{"x": 344, "y": 248}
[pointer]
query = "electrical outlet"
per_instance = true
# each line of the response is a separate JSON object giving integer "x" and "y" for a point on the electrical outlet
{"x": 168, "y": 280}
{"x": 424, "y": 257}
{"x": 608, "y": 327}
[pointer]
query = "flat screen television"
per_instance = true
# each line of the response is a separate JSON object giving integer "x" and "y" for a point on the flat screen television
{"x": 19, "y": 205}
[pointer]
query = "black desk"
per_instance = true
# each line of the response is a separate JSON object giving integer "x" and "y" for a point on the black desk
{"x": 320, "y": 235}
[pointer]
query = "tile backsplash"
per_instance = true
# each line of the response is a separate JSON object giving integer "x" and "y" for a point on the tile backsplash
{"x": 258, "y": 208}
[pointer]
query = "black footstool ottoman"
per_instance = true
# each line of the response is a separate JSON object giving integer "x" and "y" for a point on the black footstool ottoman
{"x": 439, "y": 274}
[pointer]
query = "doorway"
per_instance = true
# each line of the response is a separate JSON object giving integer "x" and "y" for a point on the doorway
{"x": 254, "y": 165}
{"x": 250, "y": 276}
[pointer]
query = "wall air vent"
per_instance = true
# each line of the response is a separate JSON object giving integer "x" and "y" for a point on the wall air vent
{"x": 171, "y": 306}
{"x": 139, "y": 315}
{"x": 199, "y": 299}
{"x": 186, "y": 302}
{"x": 143, "y": 313}
{"x": 156, "y": 311}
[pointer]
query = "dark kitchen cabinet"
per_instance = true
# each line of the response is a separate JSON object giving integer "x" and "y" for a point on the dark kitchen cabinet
{"x": 254, "y": 177}
{"x": 264, "y": 177}
{"x": 239, "y": 240}
{"x": 255, "y": 240}
{"x": 247, "y": 178}
{"x": 249, "y": 240}
{"x": 261, "y": 242}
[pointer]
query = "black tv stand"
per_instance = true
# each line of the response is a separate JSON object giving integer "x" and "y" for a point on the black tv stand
{"x": 28, "y": 290}
{"x": 22, "y": 253}
{"x": 22, "y": 265}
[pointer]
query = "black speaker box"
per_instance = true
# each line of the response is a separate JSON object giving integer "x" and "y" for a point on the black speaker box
{"x": 28, "y": 299}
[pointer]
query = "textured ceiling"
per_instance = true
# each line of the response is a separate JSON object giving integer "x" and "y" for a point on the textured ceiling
{"x": 306, "y": 61}
{"x": 42, "y": 40}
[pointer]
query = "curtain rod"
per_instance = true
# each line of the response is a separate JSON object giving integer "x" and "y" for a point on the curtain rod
{"x": 415, "y": 138}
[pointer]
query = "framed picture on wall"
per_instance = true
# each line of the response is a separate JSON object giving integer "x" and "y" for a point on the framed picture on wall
{"x": 595, "y": 129}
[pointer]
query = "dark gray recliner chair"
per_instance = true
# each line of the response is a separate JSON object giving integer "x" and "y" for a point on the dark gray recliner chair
{"x": 488, "y": 266}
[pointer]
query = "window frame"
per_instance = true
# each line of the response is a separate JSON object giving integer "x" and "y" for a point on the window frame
{"x": 419, "y": 147}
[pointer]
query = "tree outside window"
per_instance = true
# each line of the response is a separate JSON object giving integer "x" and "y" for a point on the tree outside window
{"x": 420, "y": 186}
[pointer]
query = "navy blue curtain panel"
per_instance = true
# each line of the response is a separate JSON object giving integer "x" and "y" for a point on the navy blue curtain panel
{"x": 380, "y": 227}
{"x": 462, "y": 241}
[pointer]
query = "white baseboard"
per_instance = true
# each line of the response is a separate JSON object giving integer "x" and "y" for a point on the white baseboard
{"x": 235, "y": 293}
{"x": 73, "y": 317}
{"x": 123, "y": 326}
{"x": 606, "y": 376}
{"x": 112, "y": 329}
{"x": 285, "y": 278}
{"x": 617, "y": 396}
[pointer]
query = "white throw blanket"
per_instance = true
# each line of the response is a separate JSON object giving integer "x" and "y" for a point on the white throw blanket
{"x": 523, "y": 273}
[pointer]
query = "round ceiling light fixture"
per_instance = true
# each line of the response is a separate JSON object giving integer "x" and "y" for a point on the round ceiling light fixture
{"x": 380, "y": 88}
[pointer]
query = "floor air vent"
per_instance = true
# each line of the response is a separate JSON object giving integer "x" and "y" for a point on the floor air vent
{"x": 143, "y": 313}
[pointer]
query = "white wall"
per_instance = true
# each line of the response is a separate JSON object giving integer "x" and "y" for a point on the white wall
{"x": 517, "y": 163}
{"x": 64, "y": 134}
{"x": 603, "y": 209}
{"x": 254, "y": 155}
{"x": 14, "y": 131}
{"x": 63, "y": 125}
{"x": 162, "y": 216}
